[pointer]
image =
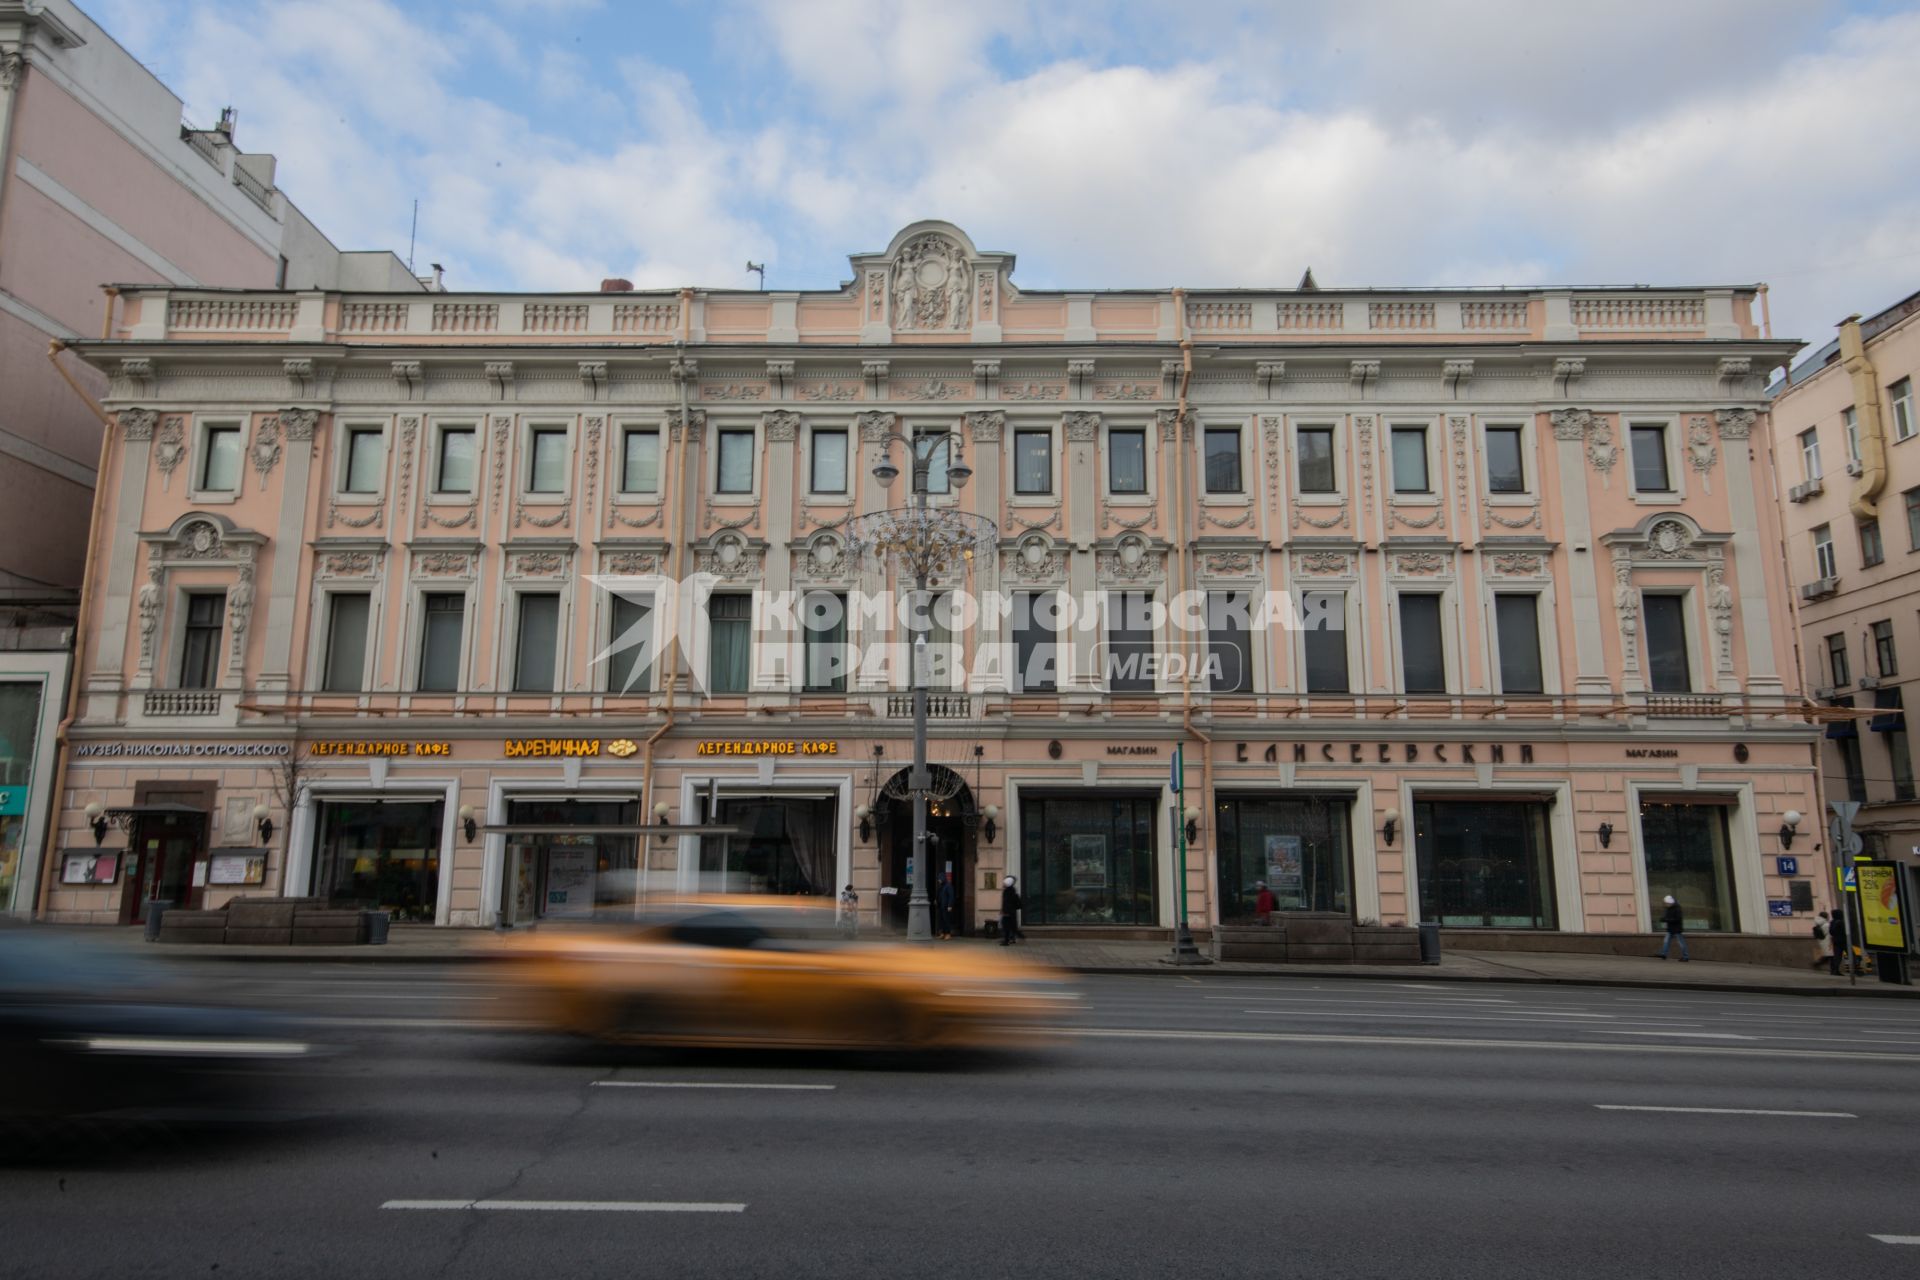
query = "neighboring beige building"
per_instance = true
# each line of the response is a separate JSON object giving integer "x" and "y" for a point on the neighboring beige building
{"x": 1844, "y": 430}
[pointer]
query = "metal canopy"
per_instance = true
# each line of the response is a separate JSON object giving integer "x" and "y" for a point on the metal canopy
{"x": 615, "y": 829}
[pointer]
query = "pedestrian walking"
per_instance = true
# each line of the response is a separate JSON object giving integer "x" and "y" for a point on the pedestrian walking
{"x": 1676, "y": 923}
{"x": 1822, "y": 940}
{"x": 848, "y": 914}
{"x": 1010, "y": 904}
{"x": 1842, "y": 956}
{"x": 1264, "y": 903}
{"x": 943, "y": 907}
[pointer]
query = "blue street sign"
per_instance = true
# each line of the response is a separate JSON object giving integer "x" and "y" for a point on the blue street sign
{"x": 1779, "y": 907}
{"x": 13, "y": 801}
{"x": 1789, "y": 867}
{"x": 1847, "y": 881}
{"x": 1176, "y": 770}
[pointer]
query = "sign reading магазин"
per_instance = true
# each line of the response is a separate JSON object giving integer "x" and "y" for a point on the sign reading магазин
{"x": 185, "y": 750}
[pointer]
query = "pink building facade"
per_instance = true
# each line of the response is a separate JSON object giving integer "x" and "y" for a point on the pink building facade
{"x": 367, "y": 562}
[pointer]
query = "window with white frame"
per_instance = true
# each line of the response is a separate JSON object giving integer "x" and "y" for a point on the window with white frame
{"x": 1900, "y": 408}
{"x": 1669, "y": 667}
{"x": 1126, "y": 460}
{"x": 220, "y": 459}
{"x": 459, "y": 460}
{"x": 1230, "y": 641}
{"x": 1516, "y": 618}
{"x": 1036, "y": 642}
{"x": 1323, "y": 619}
{"x": 1837, "y": 664}
{"x": 733, "y": 462}
{"x": 536, "y": 649}
{"x": 1221, "y": 464}
{"x": 1032, "y": 462}
{"x": 1409, "y": 446}
{"x": 200, "y": 641}
{"x": 729, "y": 642}
{"x": 1850, "y": 423}
{"x": 1423, "y": 653}
{"x": 827, "y": 463}
{"x": 640, "y": 460}
{"x": 823, "y": 622}
{"x": 630, "y": 645}
{"x": 1810, "y": 454}
{"x": 1872, "y": 551}
{"x": 547, "y": 460}
{"x": 366, "y": 462}
{"x": 1314, "y": 461}
{"x": 1648, "y": 442}
{"x": 1130, "y": 660}
{"x": 1506, "y": 461}
{"x": 934, "y": 447}
{"x": 345, "y": 666}
{"x": 1825, "y": 563}
{"x": 443, "y": 617}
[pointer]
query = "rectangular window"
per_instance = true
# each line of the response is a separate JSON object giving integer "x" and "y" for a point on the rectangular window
{"x": 1854, "y": 766}
{"x": 220, "y": 468}
{"x": 1837, "y": 660}
{"x": 823, "y": 620}
{"x": 1668, "y": 668}
{"x": 1900, "y": 405}
{"x": 1422, "y": 650}
{"x": 1410, "y": 460}
{"x": 459, "y": 455}
{"x": 1313, "y": 450}
{"x": 1223, "y": 459}
{"x": 380, "y": 854}
{"x": 1517, "y": 620}
{"x": 1850, "y": 424}
{"x": 1883, "y": 657}
{"x": 1032, "y": 462}
{"x": 1325, "y": 618}
{"x": 1506, "y": 466}
{"x": 1036, "y": 647}
{"x": 734, "y": 468}
{"x": 1130, "y": 642}
{"x": 366, "y": 459}
{"x": 1484, "y": 864}
{"x": 640, "y": 461}
{"x": 547, "y": 472}
{"x": 346, "y": 662}
{"x": 1825, "y": 564}
{"x": 827, "y": 465}
{"x": 1872, "y": 552}
{"x": 944, "y": 657}
{"x": 1650, "y": 460}
{"x": 1089, "y": 859}
{"x": 200, "y": 645}
{"x": 1295, "y": 844}
{"x": 443, "y": 618}
{"x": 933, "y": 447}
{"x": 1810, "y": 455}
{"x": 1126, "y": 461}
{"x": 630, "y": 642}
{"x": 538, "y": 649}
{"x": 1689, "y": 858}
{"x": 1230, "y": 641}
{"x": 729, "y": 640}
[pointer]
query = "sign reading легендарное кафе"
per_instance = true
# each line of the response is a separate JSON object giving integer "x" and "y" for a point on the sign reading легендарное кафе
{"x": 758, "y": 747}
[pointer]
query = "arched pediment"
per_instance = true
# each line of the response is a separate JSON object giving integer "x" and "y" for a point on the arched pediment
{"x": 206, "y": 536}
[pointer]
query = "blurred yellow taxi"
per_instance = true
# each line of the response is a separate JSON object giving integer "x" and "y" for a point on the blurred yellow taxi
{"x": 773, "y": 972}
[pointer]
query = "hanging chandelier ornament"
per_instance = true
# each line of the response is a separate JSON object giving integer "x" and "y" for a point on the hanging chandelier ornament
{"x": 924, "y": 542}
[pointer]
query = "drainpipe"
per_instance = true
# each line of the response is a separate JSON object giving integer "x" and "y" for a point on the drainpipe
{"x": 83, "y": 623}
{"x": 1866, "y": 408}
{"x": 1183, "y": 554}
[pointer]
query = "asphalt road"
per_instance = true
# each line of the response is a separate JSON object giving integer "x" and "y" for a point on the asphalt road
{"x": 1190, "y": 1127}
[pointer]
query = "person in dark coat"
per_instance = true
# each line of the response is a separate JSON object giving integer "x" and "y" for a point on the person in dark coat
{"x": 1842, "y": 945}
{"x": 1676, "y": 923}
{"x": 943, "y": 907}
{"x": 1010, "y": 904}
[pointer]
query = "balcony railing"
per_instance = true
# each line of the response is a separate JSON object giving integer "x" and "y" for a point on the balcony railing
{"x": 940, "y": 706}
{"x": 181, "y": 702}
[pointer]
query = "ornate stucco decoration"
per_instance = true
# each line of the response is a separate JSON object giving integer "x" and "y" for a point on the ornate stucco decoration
{"x": 1130, "y": 560}
{"x": 734, "y": 391}
{"x": 536, "y": 564}
{"x": 347, "y": 564}
{"x": 11, "y": 65}
{"x": 138, "y": 424}
{"x": 1126, "y": 391}
{"x": 1035, "y": 560}
{"x": 444, "y": 564}
{"x": 1669, "y": 541}
{"x": 1720, "y": 609}
{"x": 730, "y": 555}
{"x": 1626, "y": 608}
{"x": 938, "y": 390}
{"x": 1454, "y": 373}
{"x": 1419, "y": 564}
{"x": 714, "y": 520}
{"x": 136, "y": 368}
{"x": 1031, "y": 391}
{"x": 1081, "y": 428}
{"x": 1270, "y": 441}
{"x": 874, "y": 425}
{"x": 1519, "y": 564}
{"x": 1333, "y": 519}
{"x": 826, "y": 557}
{"x": 1527, "y": 518}
{"x": 409, "y": 431}
{"x": 987, "y": 425}
{"x": 1567, "y": 368}
{"x": 335, "y": 515}
{"x": 1324, "y": 564}
{"x": 1363, "y": 429}
{"x": 1173, "y": 425}
{"x": 501, "y": 426}
{"x": 1701, "y": 450}
{"x": 407, "y": 374}
{"x": 1457, "y": 427}
{"x": 1109, "y": 520}
{"x": 151, "y": 599}
{"x": 1208, "y": 518}
{"x": 594, "y": 428}
{"x": 1031, "y": 526}
{"x": 1735, "y": 424}
{"x": 1228, "y": 564}
{"x": 169, "y": 446}
{"x": 266, "y": 448}
{"x": 299, "y": 423}
{"x": 1268, "y": 372}
{"x": 500, "y": 374}
{"x": 808, "y": 518}
{"x": 782, "y": 425}
{"x": 1361, "y": 372}
{"x": 831, "y": 391}
{"x": 1595, "y": 430}
{"x": 932, "y": 285}
{"x": 633, "y": 563}
{"x": 1395, "y": 516}
{"x": 1733, "y": 367}
{"x": 198, "y": 540}
{"x": 240, "y": 614}
{"x": 617, "y": 517}
{"x": 1571, "y": 424}
{"x": 691, "y": 424}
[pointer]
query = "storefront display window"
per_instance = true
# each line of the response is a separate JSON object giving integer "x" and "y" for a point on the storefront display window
{"x": 1297, "y": 844}
{"x": 19, "y": 727}
{"x": 1089, "y": 860}
{"x": 383, "y": 855}
{"x": 787, "y": 845}
{"x": 1689, "y": 856}
{"x": 554, "y": 875}
{"x": 1485, "y": 863}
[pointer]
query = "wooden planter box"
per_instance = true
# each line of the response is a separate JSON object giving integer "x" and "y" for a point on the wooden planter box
{"x": 1316, "y": 938}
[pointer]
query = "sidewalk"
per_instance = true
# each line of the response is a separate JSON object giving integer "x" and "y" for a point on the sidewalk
{"x": 447, "y": 946}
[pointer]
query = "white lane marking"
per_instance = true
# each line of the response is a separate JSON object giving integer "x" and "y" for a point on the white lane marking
{"x": 1577, "y": 1046}
{"x": 1728, "y": 1111}
{"x": 705, "y": 1085}
{"x": 1895, "y": 1239}
{"x": 431, "y": 1024}
{"x": 1411, "y": 1004}
{"x": 1690, "y": 1035}
{"x": 571, "y": 1206}
{"x": 375, "y": 995}
{"x": 1490, "y": 1016}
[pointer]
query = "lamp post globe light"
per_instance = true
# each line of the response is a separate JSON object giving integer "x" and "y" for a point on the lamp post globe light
{"x": 924, "y": 542}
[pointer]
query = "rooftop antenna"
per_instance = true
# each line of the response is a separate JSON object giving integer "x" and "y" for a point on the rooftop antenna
{"x": 759, "y": 269}
{"x": 413, "y": 235}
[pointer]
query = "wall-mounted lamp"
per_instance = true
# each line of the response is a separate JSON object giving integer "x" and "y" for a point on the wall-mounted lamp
{"x": 865, "y": 815}
{"x": 467, "y": 823}
{"x": 1606, "y": 835}
{"x": 992, "y": 814}
{"x": 1789, "y": 822}
{"x": 97, "y": 819}
{"x": 660, "y": 811}
{"x": 263, "y": 824}
{"x": 1391, "y": 825}
{"x": 1192, "y": 815}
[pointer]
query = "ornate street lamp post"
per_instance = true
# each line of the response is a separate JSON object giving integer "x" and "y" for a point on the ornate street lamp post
{"x": 925, "y": 542}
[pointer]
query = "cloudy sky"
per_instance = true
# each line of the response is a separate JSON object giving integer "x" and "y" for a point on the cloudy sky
{"x": 1130, "y": 143}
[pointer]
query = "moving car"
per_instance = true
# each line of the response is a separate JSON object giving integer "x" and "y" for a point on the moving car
{"x": 774, "y": 972}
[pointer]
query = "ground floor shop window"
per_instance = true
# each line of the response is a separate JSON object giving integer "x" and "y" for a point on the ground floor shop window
{"x": 1485, "y": 863}
{"x": 379, "y": 854}
{"x": 1089, "y": 860}
{"x": 786, "y": 845}
{"x": 1689, "y": 856}
{"x": 556, "y": 874}
{"x": 19, "y": 727}
{"x": 1297, "y": 844}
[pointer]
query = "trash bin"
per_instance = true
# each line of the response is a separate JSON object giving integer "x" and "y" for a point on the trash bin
{"x": 377, "y": 922}
{"x": 156, "y": 907}
{"x": 1429, "y": 943}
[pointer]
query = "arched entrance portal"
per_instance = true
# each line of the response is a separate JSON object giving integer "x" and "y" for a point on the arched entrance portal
{"x": 951, "y": 820}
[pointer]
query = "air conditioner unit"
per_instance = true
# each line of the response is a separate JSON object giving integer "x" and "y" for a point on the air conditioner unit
{"x": 1869, "y": 682}
{"x": 1853, "y": 468}
{"x": 1811, "y": 489}
{"x": 1819, "y": 588}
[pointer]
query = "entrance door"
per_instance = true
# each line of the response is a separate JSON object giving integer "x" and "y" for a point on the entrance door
{"x": 167, "y": 849}
{"x": 949, "y": 854}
